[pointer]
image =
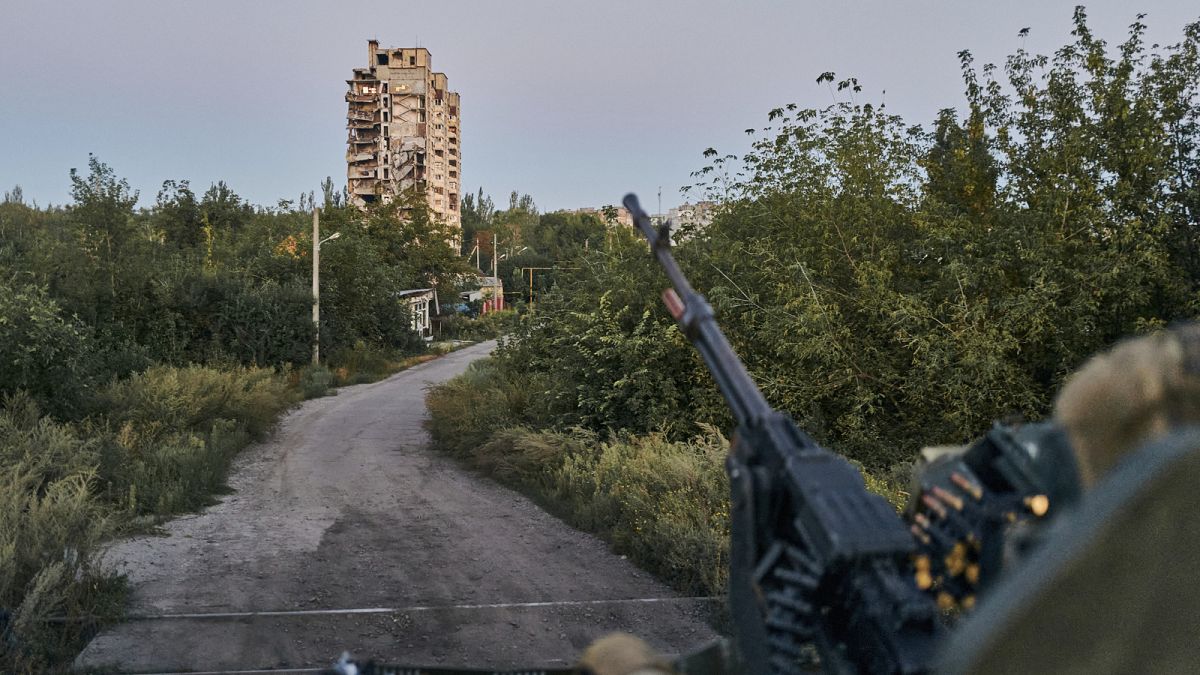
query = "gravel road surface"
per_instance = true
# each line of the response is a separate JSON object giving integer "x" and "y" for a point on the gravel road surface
{"x": 346, "y": 508}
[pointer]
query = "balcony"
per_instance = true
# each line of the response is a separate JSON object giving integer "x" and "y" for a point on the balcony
{"x": 359, "y": 114}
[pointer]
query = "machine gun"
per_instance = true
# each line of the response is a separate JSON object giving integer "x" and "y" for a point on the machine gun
{"x": 815, "y": 558}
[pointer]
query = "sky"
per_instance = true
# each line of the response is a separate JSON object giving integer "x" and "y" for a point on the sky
{"x": 575, "y": 103}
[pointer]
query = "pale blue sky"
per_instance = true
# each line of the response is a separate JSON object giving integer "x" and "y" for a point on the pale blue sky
{"x": 573, "y": 102}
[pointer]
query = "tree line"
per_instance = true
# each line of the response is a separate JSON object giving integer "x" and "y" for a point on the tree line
{"x": 892, "y": 284}
{"x": 520, "y": 237}
{"x": 100, "y": 289}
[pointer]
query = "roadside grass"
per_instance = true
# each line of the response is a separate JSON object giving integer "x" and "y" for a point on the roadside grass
{"x": 52, "y": 520}
{"x": 156, "y": 444}
{"x": 313, "y": 381}
{"x": 169, "y": 434}
{"x": 363, "y": 365}
{"x": 663, "y": 503}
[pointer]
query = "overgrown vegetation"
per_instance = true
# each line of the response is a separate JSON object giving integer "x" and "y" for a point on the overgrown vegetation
{"x": 161, "y": 445}
{"x": 483, "y": 327}
{"x": 168, "y": 434}
{"x": 662, "y": 502}
{"x": 889, "y": 285}
{"x": 512, "y": 240}
{"x": 51, "y": 522}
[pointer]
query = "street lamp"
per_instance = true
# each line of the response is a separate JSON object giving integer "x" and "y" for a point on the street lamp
{"x": 519, "y": 251}
{"x": 316, "y": 276}
{"x": 497, "y": 258}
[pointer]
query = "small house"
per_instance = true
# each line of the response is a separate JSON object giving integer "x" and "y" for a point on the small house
{"x": 418, "y": 301}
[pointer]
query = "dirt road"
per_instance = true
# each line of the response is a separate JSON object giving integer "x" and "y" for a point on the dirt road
{"x": 345, "y": 508}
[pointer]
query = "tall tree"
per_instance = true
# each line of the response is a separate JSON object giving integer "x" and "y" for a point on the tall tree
{"x": 178, "y": 215}
{"x": 102, "y": 215}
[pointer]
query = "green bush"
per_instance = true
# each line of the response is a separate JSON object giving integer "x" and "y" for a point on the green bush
{"x": 315, "y": 381}
{"x": 484, "y": 327}
{"x": 604, "y": 363}
{"x": 169, "y": 399}
{"x": 362, "y": 363}
{"x": 169, "y": 434}
{"x": 663, "y": 502}
{"x": 205, "y": 317}
{"x": 464, "y": 411}
{"x": 41, "y": 351}
{"x": 51, "y": 449}
{"x": 160, "y": 474}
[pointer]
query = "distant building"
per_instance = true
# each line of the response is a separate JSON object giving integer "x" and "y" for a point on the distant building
{"x": 692, "y": 217}
{"x": 619, "y": 214}
{"x": 490, "y": 293}
{"x": 404, "y": 131}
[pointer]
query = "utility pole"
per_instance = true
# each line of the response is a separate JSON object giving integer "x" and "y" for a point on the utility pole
{"x": 316, "y": 277}
{"x": 532, "y": 295}
{"x": 316, "y": 256}
{"x": 495, "y": 261}
{"x": 477, "y": 251}
{"x": 660, "y": 205}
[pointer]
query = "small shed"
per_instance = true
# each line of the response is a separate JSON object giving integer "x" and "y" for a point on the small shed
{"x": 418, "y": 301}
{"x": 490, "y": 293}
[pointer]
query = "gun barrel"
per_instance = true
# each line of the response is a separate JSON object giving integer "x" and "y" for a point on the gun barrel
{"x": 700, "y": 326}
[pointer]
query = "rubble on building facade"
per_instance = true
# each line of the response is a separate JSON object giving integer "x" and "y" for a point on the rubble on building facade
{"x": 403, "y": 124}
{"x": 697, "y": 216}
{"x": 617, "y": 214}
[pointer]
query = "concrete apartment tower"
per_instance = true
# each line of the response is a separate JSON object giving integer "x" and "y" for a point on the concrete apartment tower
{"x": 403, "y": 122}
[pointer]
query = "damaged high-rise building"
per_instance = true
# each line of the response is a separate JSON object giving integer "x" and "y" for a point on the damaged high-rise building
{"x": 404, "y": 131}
